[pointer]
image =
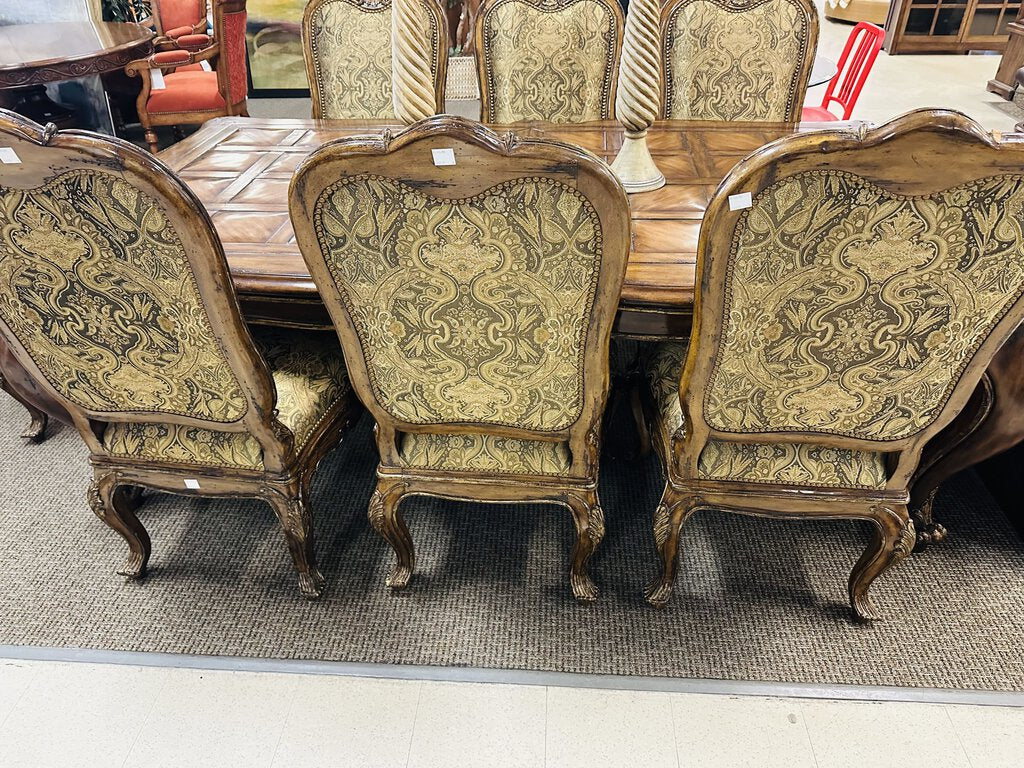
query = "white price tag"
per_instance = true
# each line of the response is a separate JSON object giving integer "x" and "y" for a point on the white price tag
{"x": 156, "y": 79}
{"x": 205, "y": 66}
{"x": 192, "y": 484}
{"x": 443, "y": 156}
{"x": 8, "y": 156}
{"x": 740, "y": 201}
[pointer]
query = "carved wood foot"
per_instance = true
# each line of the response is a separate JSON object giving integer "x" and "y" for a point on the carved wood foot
{"x": 891, "y": 541}
{"x": 297, "y": 523}
{"x": 389, "y": 523}
{"x": 930, "y": 533}
{"x": 111, "y": 507}
{"x": 36, "y": 430}
{"x": 669, "y": 516}
{"x": 589, "y": 520}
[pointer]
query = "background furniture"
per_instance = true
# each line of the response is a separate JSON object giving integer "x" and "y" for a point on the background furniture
{"x": 948, "y": 26}
{"x": 189, "y": 96}
{"x": 724, "y": 61}
{"x": 864, "y": 42}
{"x": 475, "y": 315}
{"x": 241, "y": 169}
{"x": 871, "y": 11}
{"x": 117, "y": 302}
{"x": 552, "y": 60}
{"x": 802, "y": 397}
{"x": 347, "y": 47}
{"x": 34, "y": 54}
{"x": 1005, "y": 81}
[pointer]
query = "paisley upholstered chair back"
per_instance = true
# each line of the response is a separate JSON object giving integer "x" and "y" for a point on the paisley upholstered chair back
{"x": 552, "y": 60}
{"x": 737, "y": 59}
{"x": 856, "y": 300}
{"x": 473, "y": 297}
{"x": 229, "y": 19}
{"x": 115, "y": 293}
{"x": 347, "y": 45}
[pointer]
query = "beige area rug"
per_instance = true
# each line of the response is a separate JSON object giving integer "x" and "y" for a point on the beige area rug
{"x": 755, "y": 600}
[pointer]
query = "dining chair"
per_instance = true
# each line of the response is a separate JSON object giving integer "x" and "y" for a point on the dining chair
{"x": 347, "y": 46}
{"x": 175, "y": 19}
{"x": 737, "y": 61}
{"x": 115, "y": 297}
{"x": 865, "y": 41}
{"x": 551, "y": 60}
{"x": 176, "y": 92}
{"x": 854, "y": 286}
{"x": 473, "y": 279}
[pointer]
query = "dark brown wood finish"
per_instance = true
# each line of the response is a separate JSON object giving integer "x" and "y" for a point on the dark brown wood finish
{"x": 35, "y": 54}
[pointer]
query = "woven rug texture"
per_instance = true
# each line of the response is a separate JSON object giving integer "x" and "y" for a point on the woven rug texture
{"x": 755, "y": 599}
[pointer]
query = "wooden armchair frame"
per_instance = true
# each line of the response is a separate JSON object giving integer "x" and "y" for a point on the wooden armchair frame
{"x": 177, "y": 56}
{"x": 485, "y": 62}
{"x": 438, "y": 33}
{"x": 922, "y": 153}
{"x": 484, "y": 161}
{"x": 284, "y": 482}
{"x": 797, "y": 88}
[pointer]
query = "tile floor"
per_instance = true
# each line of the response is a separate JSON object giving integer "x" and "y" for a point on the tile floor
{"x": 81, "y": 715}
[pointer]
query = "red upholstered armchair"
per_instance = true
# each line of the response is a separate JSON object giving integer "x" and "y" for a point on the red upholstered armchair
{"x": 190, "y": 94}
{"x": 178, "y": 18}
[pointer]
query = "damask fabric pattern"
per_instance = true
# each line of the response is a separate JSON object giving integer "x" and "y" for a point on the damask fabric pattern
{"x": 795, "y": 463}
{"x": 351, "y": 51}
{"x": 735, "y": 62}
{"x": 310, "y": 377}
{"x": 485, "y": 453}
{"x": 550, "y": 63}
{"x": 467, "y": 310}
{"x": 852, "y": 310}
{"x": 96, "y": 285}
{"x": 792, "y": 464}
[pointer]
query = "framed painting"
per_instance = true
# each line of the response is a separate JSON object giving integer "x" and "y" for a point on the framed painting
{"x": 274, "y": 42}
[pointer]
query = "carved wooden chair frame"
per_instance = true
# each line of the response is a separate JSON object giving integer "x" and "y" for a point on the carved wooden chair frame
{"x": 439, "y": 44}
{"x": 114, "y": 492}
{"x": 485, "y": 58}
{"x": 494, "y": 159}
{"x": 889, "y": 157}
{"x": 798, "y": 90}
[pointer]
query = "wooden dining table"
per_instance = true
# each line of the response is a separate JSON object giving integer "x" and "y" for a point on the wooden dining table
{"x": 240, "y": 169}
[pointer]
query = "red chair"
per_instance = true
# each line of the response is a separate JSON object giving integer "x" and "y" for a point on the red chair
{"x": 846, "y": 86}
{"x": 192, "y": 95}
{"x": 178, "y": 18}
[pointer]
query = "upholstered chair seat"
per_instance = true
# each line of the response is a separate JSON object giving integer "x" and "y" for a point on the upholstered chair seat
{"x": 187, "y": 90}
{"x": 310, "y": 379}
{"x": 485, "y": 453}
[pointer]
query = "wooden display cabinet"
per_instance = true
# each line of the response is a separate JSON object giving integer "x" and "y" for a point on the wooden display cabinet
{"x": 949, "y": 26}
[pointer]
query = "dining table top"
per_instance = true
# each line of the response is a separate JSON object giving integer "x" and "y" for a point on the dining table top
{"x": 240, "y": 168}
{"x": 43, "y": 52}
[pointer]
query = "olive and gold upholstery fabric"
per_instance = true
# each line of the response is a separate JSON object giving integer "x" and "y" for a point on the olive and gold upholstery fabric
{"x": 789, "y": 463}
{"x": 96, "y": 285}
{"x": 485, "y": 453}
{"x": 467, "y": 310}
{"x": 736, "y": 61}
{"x": 852, "y": 310}
{"x": 309, "y": 375}
{"x": 548, "y": 61}
{"x": 349, "y": 47}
